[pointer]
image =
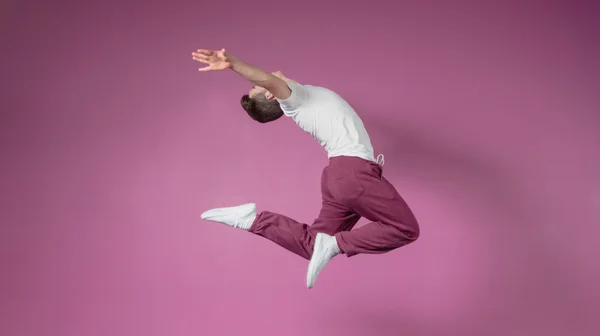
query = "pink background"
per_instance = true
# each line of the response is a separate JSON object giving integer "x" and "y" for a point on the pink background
{"x": 113, "y": 145}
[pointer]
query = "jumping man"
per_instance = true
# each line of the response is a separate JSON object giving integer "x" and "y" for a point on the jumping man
{"x": 352, "y": 184}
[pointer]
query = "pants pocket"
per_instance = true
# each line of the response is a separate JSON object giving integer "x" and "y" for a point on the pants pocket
{"x": 344, "y": 185}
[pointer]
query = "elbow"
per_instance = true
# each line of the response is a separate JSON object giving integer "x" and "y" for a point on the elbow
{"x": 278, "y": 88}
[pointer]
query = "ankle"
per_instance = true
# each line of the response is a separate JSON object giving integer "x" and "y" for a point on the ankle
{"x": 336, "y": 247}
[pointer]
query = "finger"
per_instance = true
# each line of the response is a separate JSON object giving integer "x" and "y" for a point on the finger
{"x": 200, "y": 60}
{"x": 208, "y": 68}
{"x": 202, "y": 56}
{"x": 204, "y": 51}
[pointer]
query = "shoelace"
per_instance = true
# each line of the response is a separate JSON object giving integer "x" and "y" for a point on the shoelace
{"x": 380, "y": 160}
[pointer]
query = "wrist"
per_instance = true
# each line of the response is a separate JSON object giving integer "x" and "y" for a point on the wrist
{"x": 233, "y": 61}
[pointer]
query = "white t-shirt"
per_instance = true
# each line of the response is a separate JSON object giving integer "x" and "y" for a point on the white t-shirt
{"x": 329, "y": 119}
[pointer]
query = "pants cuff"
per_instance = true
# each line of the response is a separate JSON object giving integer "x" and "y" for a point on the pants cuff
{"x": 345, "y": 248}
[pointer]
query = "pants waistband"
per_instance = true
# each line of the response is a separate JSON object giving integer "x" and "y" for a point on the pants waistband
{"x": 355, "y": 161}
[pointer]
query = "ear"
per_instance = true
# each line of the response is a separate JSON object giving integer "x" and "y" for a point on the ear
{"x": 269, "y": 95}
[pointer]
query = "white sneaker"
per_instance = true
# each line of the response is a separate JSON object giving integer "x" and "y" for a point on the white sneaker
{"x": 241, "y": 216}
{"x": 325, "y": 249}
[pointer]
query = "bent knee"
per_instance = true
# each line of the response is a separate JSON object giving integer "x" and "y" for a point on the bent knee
{"x": 409, "y": 232}
{"x": 414, "y": 233}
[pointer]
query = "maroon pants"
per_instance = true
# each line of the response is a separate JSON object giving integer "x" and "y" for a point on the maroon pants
{"x": 352, "y": 188}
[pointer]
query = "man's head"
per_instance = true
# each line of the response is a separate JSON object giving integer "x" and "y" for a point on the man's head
{"x": 261, "y": 105}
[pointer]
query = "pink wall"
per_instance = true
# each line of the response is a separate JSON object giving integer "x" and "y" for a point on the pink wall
{"x": 113, "y": 144}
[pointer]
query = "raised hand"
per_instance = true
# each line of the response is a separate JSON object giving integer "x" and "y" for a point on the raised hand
{"x": 215, "y": 59}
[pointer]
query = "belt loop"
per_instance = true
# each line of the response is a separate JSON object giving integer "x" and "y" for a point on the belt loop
{"x": 380, "y": 160}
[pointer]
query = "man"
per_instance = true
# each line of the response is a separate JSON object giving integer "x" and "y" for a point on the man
{"x": 352, "y": 185}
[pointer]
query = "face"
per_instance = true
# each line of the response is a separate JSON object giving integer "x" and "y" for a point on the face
{"x": 258, "y": 90}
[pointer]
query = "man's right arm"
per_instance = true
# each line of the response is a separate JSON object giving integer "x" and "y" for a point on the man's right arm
{"x": 277, "y": 86}
{"x": 274, "y": 83}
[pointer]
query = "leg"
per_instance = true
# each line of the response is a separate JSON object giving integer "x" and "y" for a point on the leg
{"x": 297, "y": 237}
{"x": 393, "y": 223}
{"x": 359, "y": 185}
{"x": 314, "y": 243}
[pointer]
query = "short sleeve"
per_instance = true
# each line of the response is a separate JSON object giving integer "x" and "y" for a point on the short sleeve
{"x": 295, "y": 100}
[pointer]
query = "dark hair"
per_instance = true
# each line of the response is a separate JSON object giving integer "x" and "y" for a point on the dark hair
{"x": 261, "y": 109}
